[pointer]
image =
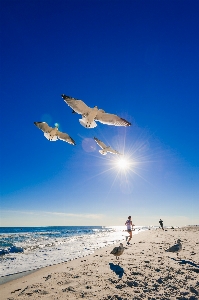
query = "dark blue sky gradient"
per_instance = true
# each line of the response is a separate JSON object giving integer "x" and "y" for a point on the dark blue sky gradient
{"x": 138, "y": 59}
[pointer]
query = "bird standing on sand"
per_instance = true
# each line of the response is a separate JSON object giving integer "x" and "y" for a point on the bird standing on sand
{"x": 117, "y": 251}
{"x": 175, "y": 248}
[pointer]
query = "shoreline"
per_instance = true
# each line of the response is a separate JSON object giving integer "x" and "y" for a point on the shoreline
{"x": 61, "y": 245}
{"x": 13, "y": 276}
{"x": 144, "y": 270}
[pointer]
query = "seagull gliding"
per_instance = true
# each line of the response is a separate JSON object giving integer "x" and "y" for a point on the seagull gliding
{"x": 105, "y": 149}
{"x": 53, "y": 134}
{"x": 90, "y": 115}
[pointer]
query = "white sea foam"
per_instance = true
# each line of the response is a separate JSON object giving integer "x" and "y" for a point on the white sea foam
{"x": 42, "y": 250}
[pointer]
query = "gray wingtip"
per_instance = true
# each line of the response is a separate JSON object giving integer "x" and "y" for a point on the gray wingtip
{"x": 36, "y": 123}
{"x": 65, "y": 97}
{"x": 127, "y": 122}
{"x": 73, "y": 142}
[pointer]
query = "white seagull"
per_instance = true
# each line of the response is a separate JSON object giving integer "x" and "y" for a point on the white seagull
{"x": 105, "y": 149}
{"x": 90, "y": 115}
{"x": 117, "y": 251}
{"x": 175, "y": 248}
{"x": 53, "y": 134}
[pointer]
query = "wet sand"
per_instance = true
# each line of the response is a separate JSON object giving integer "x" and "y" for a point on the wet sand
{"x": 144, "y": 271}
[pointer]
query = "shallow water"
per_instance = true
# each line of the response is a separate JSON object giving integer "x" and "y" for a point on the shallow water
{"x": 25, "y": 249}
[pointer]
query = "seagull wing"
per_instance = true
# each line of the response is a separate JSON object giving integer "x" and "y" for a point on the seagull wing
{"x": 77, "y": 105}
{"x": 115, "y": 250}
{"x": 111, "y": 119}
{"x": 100, "y": 143}
{"x": 121, "y": 250}
{"x": 113, "y": 151}
{"x": 65, "y": 137}
{"x": 174, "y": 248}
{"x": 43, "y": 126}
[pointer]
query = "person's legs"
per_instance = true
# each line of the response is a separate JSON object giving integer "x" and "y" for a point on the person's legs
{"x": 130, "y": 236}
{"x": 127, "y": 237}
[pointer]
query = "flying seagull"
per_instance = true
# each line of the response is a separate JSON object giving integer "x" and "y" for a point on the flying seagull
{"x": 90, "y": 115}
{"x": 117, "y": 251}
{"x": 53, "y": 134}
{"x": 105, "y": 149}
{"x": 175, "y": 248}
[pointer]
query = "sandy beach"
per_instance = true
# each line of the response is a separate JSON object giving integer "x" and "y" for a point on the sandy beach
{"x": 143, "y": 271}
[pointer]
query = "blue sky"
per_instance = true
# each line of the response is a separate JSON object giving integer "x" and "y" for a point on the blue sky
{"x": 137, "y": 59}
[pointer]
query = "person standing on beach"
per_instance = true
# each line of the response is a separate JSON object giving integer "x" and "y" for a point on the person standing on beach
{"x": 129, "y": 226}
{"x": 161, "y": 224}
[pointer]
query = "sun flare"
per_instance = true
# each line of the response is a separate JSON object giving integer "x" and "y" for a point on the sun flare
{"x": 123, "y": 163}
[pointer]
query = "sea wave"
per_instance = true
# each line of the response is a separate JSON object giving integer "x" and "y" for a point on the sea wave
{"x": 29, "y": 250}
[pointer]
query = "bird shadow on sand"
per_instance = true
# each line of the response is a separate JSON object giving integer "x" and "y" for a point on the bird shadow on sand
{"x": 183, "y": 262}
{"x": 117, "y": 269}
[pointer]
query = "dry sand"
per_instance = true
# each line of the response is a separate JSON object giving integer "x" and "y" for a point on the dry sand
{"x": 145, "y": 271}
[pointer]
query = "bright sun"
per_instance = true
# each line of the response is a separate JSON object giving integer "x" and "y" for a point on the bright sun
{"x": 123, "y": 163}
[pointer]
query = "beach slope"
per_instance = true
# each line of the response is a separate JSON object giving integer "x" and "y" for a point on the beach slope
{"x": 144, "y": 271}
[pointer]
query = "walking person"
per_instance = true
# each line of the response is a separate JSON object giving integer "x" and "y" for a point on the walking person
{"x": 129, "y": 226}
{"x": 161, "y": 224}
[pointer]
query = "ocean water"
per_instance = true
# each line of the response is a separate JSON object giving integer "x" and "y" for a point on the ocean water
{"x": 30, "y": 248}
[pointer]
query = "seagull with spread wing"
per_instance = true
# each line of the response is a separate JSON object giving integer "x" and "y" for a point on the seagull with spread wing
{"x": 90, "y": 115}
{"x": 105, "y": 149}
{"x": 53, "y": 134}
